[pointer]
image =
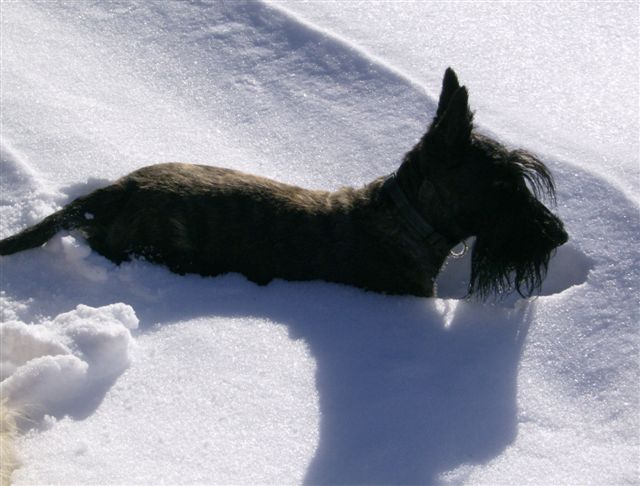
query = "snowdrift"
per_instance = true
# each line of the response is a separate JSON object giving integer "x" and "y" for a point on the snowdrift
{"x": 134, "y": 375}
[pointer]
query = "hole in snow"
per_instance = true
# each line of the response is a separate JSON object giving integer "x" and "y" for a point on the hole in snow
{"x": 568, "y": 267}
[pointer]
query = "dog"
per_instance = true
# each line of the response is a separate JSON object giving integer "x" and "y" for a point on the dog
{"x": 391, "y": 236}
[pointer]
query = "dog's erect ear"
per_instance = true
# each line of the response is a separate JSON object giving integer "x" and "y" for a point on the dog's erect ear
{"x": 454, "y": 126}
{"x": 450, "y": 85}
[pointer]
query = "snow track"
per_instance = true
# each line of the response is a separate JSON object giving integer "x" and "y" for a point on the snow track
{"x": 190, "y": 380}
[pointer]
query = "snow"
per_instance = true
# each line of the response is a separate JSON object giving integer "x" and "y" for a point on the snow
{"x": 48, "y": 368}
{"x": 566, "y": 77}
{"x": 134, "y": 375}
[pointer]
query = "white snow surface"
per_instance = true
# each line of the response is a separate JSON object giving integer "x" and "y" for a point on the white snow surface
{"x": 132, "y": 375}
{"x": 47, "y": 368}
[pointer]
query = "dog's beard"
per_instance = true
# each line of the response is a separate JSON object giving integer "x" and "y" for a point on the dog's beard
{"x": 513, "y": 255}
{"x": 500, "y": 273}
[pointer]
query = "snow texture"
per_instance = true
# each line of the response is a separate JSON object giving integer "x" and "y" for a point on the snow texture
{"x": 59, "y": 367}
{"x": 132, "y": 375}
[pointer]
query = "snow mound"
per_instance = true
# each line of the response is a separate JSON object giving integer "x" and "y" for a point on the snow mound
{"x": 51, "y": 368}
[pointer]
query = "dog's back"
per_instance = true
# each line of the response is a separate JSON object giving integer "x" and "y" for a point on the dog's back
{"x": 205, "y": 220}
{"x": 209, "y": 221}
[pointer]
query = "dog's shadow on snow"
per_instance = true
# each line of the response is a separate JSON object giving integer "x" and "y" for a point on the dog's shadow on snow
{"x": 409, "y": 388}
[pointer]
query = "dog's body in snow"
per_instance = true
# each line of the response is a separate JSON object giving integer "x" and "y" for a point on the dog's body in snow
{"x": 391, "y": 236}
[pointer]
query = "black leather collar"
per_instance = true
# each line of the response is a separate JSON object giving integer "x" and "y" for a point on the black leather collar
{"x": 411, "y": 217}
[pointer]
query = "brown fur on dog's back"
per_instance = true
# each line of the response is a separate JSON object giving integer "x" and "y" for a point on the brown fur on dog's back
{"x": 208, "y": 220}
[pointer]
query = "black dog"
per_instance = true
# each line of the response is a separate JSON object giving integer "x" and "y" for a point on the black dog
{"x": 391, "y": 236}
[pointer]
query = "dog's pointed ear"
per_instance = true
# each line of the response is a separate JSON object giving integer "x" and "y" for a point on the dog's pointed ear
{"x": 450, "y": 85}
{"x": 454, "y": 127}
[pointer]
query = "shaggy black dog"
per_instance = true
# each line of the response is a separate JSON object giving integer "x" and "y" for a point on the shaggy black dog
{"x": 391, "y": 235}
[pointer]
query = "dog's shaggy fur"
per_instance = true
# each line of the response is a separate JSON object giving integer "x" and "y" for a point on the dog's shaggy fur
{"x": 207, "y": 220}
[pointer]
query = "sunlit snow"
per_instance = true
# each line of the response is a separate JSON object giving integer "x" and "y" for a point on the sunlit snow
{"x": 134, "y": 375}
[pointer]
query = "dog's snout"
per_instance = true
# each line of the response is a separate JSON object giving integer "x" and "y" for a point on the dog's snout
{"x": 558, "y": 233}
{"x": 553, "y": 226}
{"x": 562, "y": 237}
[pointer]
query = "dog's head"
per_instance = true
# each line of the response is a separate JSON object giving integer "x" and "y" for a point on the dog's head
{"x": 470, "y": 185}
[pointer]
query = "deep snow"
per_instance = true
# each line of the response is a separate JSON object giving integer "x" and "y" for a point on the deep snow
{"x": 134, "y": 375}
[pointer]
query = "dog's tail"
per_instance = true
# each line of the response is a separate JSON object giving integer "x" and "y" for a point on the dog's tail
{"x": 40, "y": 233}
